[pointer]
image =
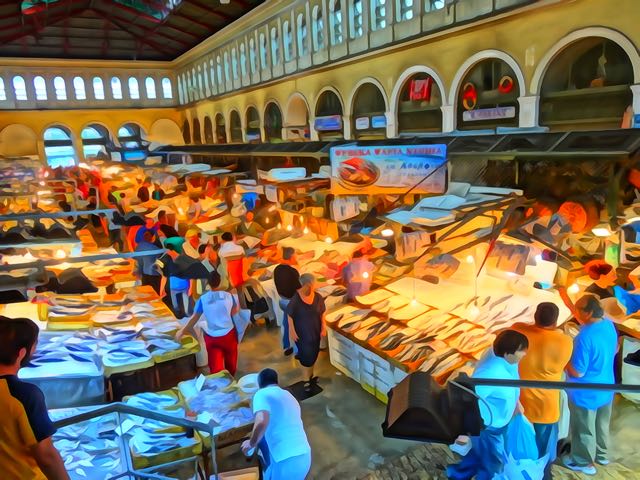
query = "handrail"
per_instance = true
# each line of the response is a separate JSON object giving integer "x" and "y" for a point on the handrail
{"x": 122, "y": 408}
{"x": 38, "y": 215}
{"x": 88, "y": 258}
{"x": 491, "y": 382}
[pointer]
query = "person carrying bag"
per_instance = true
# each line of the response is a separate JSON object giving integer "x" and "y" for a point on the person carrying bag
{"x": 223, "y": 326}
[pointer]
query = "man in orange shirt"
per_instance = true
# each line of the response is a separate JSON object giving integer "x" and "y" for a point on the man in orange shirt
{"x": 549, "y": 353}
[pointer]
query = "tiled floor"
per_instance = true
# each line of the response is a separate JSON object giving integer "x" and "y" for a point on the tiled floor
{"x": 343, "y": 425}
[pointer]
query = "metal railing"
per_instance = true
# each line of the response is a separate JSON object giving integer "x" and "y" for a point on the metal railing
{"x": 146, "y": 473}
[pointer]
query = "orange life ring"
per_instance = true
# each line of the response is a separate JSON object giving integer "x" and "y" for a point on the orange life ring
{"x": 506, "y": 84}
{"x": 469, "y": 96}
{"x": 581, "y": 215}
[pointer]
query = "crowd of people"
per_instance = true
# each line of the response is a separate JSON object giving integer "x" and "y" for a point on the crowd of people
{"x": 542, "y": 352}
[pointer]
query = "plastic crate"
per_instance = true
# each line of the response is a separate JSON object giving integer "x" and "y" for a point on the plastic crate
{"x": 171, "y": 372}
{"x": 190, "y": 346}
{"x": 145, "y": 461}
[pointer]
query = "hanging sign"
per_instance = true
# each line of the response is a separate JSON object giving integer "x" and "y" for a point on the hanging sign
{"x": 498, "y": 113}
{"x": 379, "y": 121}
{"x": 329, "y": 123}
{"x": 359, "y": 170}
{"x": 362, "y": 123}
{"x": 421, "y": 89}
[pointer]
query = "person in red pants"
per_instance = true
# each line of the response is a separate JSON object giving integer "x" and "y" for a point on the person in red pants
{"x": 216, "y": 308}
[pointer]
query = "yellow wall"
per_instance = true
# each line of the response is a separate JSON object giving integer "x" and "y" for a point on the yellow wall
{"x": 75, "y": 120}
{"x": 526, "y": 37}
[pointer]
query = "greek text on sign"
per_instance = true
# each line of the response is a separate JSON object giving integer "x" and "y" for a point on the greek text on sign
{"x": 497, "y": 113}
{"x": 390, "y": 170}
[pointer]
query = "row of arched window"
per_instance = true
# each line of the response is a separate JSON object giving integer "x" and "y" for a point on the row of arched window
{"x": 210, "y": 77}
{"x": 96, "y": 141}
{"x": 78, "y": 90}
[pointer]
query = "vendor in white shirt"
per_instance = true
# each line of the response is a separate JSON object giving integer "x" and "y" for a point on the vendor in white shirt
{"x": 498, "y": 406}
{"x": 278, "y": 431}
{"x": 228, "y": 247}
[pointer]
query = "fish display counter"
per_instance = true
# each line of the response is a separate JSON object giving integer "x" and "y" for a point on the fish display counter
{"x": 440, "y": 328}
{"x": 90, "y": 338}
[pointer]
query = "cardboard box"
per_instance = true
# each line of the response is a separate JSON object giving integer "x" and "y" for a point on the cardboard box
{"x": 252, "y": 473}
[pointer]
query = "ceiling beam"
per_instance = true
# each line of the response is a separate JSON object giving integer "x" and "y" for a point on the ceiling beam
{"x": 147, "y": 41}
{"x": 196, "y": 3}
{"x": 179, "y": 14}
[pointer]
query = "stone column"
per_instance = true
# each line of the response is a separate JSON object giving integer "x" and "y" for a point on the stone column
{"x": 529, "y": 111}
{"x": 448, "y": 118}
{"x": 392, "y": 125}
{"x": 346, "y": 126}
{"x": 635, "y": 89}
{"x": 313, "y": 134}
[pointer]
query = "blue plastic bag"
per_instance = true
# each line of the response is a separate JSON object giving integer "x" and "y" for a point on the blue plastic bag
{"x": 521, "y": 439}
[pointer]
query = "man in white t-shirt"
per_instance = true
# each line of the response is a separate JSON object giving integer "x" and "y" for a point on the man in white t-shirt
{"x": 279, "y": 431}
{"x": 229, "y": 248}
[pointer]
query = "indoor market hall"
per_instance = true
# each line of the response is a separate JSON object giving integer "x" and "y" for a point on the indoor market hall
{"x": 319, "y": 240}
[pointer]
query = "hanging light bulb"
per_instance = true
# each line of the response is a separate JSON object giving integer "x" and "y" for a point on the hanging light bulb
{"x": 573, "y": 289}
{"x": 414, "y": 302}
{"x": 279, "y": 225}
{"x": 60, "y": 253}
{"x": 473, "y": 312}
{"x": 365, "y": 275}
{"x": 289, "y": 228}
{"x": 470, "y": 259}
{"x": 387, "y": 232}
{"x": 328, "y": 240}
{"x": 305, "y": 231}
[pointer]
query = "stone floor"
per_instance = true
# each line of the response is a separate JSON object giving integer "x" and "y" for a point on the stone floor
{"x": 343, "y": 425}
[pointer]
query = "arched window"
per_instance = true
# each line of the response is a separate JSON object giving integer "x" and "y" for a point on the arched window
{"x": 243, "y": 60}
{"x": 221, "y": 132}
{"x": 273, "y": 123}
{"x": 186, "y": 132}
{"x": 302, "y": 36}
{"x": 253, "y": 126}
{"x": 40, "y": 87}
{"x": 3, "y": 92}
{"x": 275, "y": 47}
{"x": 236, "y": 127}
{"x": 587, "y": 85}
{"x": 318, "y": 29}
{"x": 378, "y": 14}
{"x": 328, "y": 122}
{"x": 134, "y": 89}
{"x": 227, "y": 67}
{"x": 336, "y": 23}
{"x": 253, "y": 64}
{"x": 263, "y": 51}
{"x": 405, "y": 10}
{"x": 212, "y": 72}
{"x": 95, "y": 139}
{"x": 78, "y": 88}
{"x": 150, "y": 88}
{"x": 60, "y": 88}
{"x": 19, "y": 88}
{"x": 419, "y": 105}
{"x": 219, "y": 71}
{"x": 488, "y": 96}
{"x": 131, "y": 139}
{"x": 180, "y": 95}
{"x": 356, "y": 19}
{"x": 432, "y": 5}
{"x": 116, "y": 88}
{"x": 208, "y": 131}
{"x": 368, "y": 118}
{"x": 197, "y": 136}
{"x": 207, "y": 87}
{"x": 98, "y": 88}
{"x": 166, "y": 88}
{"x": 58, "y": 147}
{"x": 288, "y": 41}
{"x": 234, "y": 63}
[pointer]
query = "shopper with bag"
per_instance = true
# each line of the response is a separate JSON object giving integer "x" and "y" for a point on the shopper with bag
{"x": 594, "y": 350}
{"x": 498, "y": 406}
{"x": 220, "y": 333}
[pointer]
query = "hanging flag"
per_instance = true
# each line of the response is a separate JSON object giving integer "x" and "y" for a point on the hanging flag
{"x": 421, "y": 89}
